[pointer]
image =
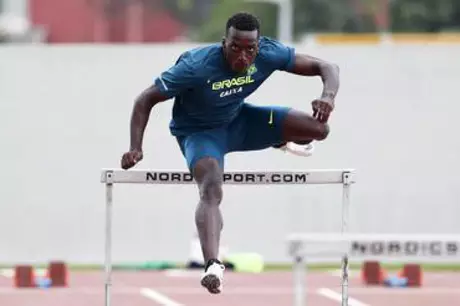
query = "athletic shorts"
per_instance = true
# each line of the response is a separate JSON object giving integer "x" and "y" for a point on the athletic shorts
{"x": 255, "y": 128}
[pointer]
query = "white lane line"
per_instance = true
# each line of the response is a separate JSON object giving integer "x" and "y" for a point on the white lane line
{"x": 8, "y": 273}
{"x": 183, "y": 273}
{"x": 158, "y": 297}
{"x": 335, "y": 296}
{"x": 338, "y": 273}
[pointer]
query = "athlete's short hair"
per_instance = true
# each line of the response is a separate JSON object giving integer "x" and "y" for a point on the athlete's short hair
{"x": 244, "y": 22}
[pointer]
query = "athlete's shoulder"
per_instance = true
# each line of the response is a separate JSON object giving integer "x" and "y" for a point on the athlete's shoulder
{"x": 267, "y": 43}
{"x": 202, "y": 56}
{"x": 276, "y": 53}
{"x": 189, "y": 71}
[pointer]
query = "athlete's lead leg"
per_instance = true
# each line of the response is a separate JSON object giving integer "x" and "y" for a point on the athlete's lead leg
{"x": 299, "y": 130}
{"x": 208, "y": 219}
{"x": 300, "y": 127}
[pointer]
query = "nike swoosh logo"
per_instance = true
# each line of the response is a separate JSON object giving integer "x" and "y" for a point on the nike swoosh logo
{"x": 270, "y": 120}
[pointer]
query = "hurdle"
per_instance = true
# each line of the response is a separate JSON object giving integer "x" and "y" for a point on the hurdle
{"x": 110, "y": 177}
{"x": 360, "y": 247}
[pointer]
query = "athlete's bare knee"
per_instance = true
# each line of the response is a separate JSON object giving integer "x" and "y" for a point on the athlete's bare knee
{"x": 208, "y": 175}
{"x": 211, "y": 191}
{"x": 300, "y": 126}
{"x": 323, "y": 131}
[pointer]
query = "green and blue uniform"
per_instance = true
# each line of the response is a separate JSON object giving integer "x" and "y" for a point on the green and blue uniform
{"x": 210, "y": 116}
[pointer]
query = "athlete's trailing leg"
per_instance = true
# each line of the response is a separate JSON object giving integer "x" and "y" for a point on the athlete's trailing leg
{"x": 208, "y": 218}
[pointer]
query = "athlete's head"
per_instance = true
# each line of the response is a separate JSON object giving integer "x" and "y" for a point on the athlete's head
{"x": 241, "y": 41}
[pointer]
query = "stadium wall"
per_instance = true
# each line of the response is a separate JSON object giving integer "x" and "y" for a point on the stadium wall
{"x": 65, "y": 115}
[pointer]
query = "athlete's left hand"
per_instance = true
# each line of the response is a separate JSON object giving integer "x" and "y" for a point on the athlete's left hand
{"x": 322, "y": 109}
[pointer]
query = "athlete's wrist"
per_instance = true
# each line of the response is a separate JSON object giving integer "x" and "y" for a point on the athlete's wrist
{"x": 135, "y": 148}
{"x": 327, "y": 96}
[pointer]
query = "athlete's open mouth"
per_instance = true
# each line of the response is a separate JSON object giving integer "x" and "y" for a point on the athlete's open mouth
{"x": 240, "y": 66}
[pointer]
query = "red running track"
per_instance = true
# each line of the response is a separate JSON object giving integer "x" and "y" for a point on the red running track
{"x": 267, "y": 289}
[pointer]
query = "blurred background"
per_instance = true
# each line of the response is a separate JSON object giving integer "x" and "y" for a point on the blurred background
{"x": 70, "y": 71}
{"x": 123, "y": 21}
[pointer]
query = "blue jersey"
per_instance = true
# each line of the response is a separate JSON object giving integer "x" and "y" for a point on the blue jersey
{"x": 207, "y": 93}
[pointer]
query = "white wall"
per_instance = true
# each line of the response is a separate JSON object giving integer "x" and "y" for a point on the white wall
{"x": 65, "y": 112}
{"x": 15, "y": 7}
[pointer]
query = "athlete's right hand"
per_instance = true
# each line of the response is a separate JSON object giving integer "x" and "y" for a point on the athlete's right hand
{"x": 322, "y": 109}
{"x": 129, "y": 159}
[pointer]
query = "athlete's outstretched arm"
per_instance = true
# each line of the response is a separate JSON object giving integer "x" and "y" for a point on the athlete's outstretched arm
{"x": 141, "y": 113}
{"x": 311, "y": 66}
{"x": 139, "y": 119}
{"x": 168, "y": 84}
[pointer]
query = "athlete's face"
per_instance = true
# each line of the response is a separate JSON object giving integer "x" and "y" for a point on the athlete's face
{"x": 240, "y": 48}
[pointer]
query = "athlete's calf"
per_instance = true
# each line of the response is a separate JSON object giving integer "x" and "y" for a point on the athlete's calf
{"x": 208, "y": 217}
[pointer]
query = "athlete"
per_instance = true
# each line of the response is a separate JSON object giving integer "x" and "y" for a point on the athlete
{"x": 211, "y": 118}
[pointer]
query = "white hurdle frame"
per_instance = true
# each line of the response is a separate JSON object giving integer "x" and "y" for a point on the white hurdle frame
{"x": 110, "y": 177}
{"x": 296, "y": 245}
{"x": 299, "y": 244}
